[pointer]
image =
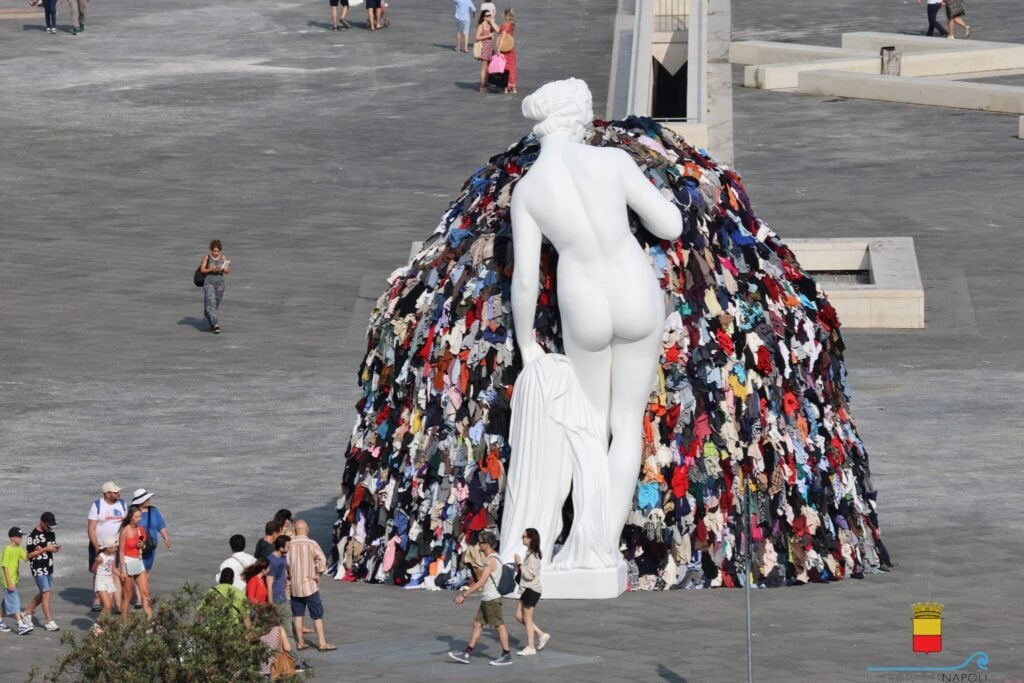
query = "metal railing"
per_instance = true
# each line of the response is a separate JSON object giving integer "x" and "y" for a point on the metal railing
{"x": 671, "y": 15}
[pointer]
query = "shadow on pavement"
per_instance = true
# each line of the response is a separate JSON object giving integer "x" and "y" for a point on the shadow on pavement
{"x": 197, "y": 323}
{"x": 77, "y": 595}
{"x": 667, "y": 674}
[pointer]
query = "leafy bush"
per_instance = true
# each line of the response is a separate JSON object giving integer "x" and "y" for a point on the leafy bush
{"x": 191, "y": 639}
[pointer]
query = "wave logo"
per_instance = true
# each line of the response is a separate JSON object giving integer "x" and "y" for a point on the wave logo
{"x": 927, "y": 638}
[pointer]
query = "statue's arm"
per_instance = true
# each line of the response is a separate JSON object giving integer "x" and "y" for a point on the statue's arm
{"x": 659, "y": 215}
{"x": 526, "y": 243}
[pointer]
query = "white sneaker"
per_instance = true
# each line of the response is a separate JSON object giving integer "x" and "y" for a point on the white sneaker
{"x": 4, "y": 628}
{"x": 24, "y": 629}
{"x": 526, "y": 652}
{"x": 542, "y": 643}
{"x": 51, "y": 626}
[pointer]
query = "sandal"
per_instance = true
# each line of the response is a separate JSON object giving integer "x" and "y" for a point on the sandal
{"x": 327, "y": 648}
{"x": 968, "y": 32}
{"x": 301, "y": 646}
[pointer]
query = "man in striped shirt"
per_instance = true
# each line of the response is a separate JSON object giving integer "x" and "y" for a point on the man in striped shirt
{"x": 306, "y": 562}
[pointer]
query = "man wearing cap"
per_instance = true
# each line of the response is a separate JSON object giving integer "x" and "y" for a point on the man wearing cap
{"x": 105, "y": 516}
{"x": 41, "y": 545}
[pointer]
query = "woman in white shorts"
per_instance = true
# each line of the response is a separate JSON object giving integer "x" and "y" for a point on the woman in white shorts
{"x": 103, "y": 567}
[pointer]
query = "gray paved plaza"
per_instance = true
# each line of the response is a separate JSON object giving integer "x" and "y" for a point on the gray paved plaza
{"x": 318, "y": 157}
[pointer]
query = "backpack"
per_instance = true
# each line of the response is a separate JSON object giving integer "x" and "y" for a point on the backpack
{"x": 124, "y": 508}
{"x": 506, "y": 583}
{"x": 198, "y": 279}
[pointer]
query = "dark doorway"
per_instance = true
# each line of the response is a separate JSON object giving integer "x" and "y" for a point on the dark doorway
{"x": 669, "y": 98}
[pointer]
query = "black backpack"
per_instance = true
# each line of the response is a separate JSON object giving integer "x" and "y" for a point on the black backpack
{"x": 198, "y": 278}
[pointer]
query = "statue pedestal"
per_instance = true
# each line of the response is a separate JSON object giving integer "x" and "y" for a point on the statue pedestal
{"x": 584, "y": 584}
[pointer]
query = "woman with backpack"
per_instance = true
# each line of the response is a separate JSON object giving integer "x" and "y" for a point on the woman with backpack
{"x": 213, "y": 268}
{"x": 155, "y": 526}
{"x": 529, "y": 572}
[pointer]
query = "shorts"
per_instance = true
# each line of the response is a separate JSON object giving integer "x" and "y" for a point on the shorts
{"x": 104, "y": 584}
{"x": 372, "y": 4}
{"x": 133, "y": 566}
{"x": 529, "y": 598}
{"x": 463, "y": 25}
{"x": 335, "y": 3}
{"x": 12, "y": 602}
{"x": 489, "y": 613}
{"x": 316, "y": 608}
{"x": 44, "y": 582}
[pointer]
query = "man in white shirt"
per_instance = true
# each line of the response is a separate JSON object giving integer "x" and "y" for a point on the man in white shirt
{"x": 238, "y": 561}
{"x": 933, "y": 12}
{"x": 105, "y": 517}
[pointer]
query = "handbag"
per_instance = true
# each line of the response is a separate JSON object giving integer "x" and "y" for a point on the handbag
{"x": 478, "y": 50}
{"x": 497, "y": 64}
{"x": 506, "y": 42}
{"x": 149, "y": 545}
{"x": 284, "y": 665}
{"x": 198, "y": 279}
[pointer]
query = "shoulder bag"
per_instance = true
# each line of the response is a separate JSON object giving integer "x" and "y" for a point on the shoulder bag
{"x": 506, "y": 42}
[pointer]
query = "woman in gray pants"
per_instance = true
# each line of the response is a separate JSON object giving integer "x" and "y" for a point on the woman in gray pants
{"x": 214, "y": 266}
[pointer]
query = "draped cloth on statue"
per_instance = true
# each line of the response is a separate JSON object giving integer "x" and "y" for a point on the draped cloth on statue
{"x": 556, "y": 440}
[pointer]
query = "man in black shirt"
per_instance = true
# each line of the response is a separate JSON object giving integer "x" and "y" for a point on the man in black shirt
{"x": 41, "y": 545}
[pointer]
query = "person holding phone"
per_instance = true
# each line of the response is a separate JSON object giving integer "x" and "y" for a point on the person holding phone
{"x": 41, "y": 546}
{"x": 214, "y": 266}
{"x": 131, "y": 541}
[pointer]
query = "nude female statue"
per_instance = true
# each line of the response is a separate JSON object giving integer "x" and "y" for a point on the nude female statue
{"x": 611, "y": 305}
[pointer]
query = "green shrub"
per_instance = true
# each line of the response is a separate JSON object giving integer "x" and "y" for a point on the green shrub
{"x": 192, "y": 638}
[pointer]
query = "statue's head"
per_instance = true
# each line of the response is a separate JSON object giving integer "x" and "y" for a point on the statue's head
{"x": 565, "y": 106}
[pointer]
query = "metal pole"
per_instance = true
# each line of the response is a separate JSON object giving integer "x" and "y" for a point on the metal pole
{"x": 750, "y": 576}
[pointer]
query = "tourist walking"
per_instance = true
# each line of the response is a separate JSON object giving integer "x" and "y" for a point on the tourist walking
{"x": 214, "y": 267}
{"x": 77, "y": 8}
{"x": 155, "y": 526}
{"x": 238, "y": 561}
{"x": 131, "y": 541}
{"x": 955, "y": 14}
{"x": 334, "y": 14}
{"x": 41, "y": 546}
{"x": 105, "y": 517}
{"x": 464, "y": 11}
{"x": 10, "y": 561}
{"x": 485, "y": 37}
{"x": 506, "y": 46}
{"x": 489, "y": 612}
{"x": 933, "y": 7}
{"x": 529, "y": 572}
{"x": 49, "y": 13}
{"x": 373, "y": 14}
{"x": 306, "y": 563}
{"x": 104, "y": 584}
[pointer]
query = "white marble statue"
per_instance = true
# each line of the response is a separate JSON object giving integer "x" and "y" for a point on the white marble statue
{"x": 578, "y": 421}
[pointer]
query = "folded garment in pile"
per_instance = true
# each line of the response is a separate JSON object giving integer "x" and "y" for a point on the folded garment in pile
{"x": 751, "y": 398}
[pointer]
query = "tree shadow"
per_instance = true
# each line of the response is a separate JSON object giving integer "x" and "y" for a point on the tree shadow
{"x": 197, "y": 323}
{"x": 667, "y": 674}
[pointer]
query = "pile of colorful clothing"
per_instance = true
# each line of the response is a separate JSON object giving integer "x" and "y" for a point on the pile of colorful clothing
{"x": 750, "y": 446}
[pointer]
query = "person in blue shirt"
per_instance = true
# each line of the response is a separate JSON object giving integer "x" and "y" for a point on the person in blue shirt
{"x": 154, "y": 524}
{"x": 464, "y": 11}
